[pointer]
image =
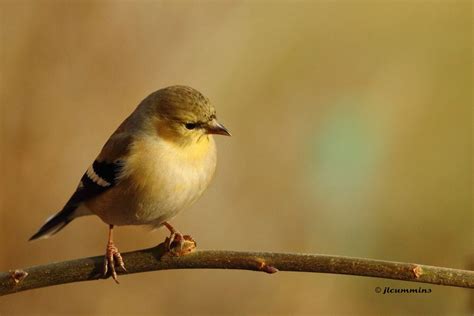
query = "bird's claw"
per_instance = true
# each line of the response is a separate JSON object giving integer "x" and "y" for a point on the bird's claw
{"x": 178, "y": 244}
{"x": 113, "y": 258}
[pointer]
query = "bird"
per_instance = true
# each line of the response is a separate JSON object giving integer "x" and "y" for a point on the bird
{"x": 158, "y": 162}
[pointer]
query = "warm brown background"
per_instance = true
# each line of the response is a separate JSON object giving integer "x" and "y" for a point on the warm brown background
{"x": 352, "y": 136}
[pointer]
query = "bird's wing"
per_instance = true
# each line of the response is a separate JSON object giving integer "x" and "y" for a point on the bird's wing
{"x": 104, "y": 173}
{"x": 101, "y": 176}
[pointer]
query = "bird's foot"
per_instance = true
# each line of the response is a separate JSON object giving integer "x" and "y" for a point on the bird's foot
{"x": 178, "y": 244}
{"x": 112, "y": 258}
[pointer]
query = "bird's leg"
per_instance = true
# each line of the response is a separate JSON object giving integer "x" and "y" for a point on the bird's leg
{"x": 178, "y": 244}
{"x": 112, "y": 257}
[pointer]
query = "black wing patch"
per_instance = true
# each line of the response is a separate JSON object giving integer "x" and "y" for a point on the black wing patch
{"x": 99, "y": 177}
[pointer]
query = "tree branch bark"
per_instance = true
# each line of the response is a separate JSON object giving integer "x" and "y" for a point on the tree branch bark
{"x": 156, "y": 258}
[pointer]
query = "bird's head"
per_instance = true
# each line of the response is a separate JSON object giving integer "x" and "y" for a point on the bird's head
{"x": 183, "y": 115}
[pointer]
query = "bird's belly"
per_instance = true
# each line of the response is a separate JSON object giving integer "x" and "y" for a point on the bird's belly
{"x": 172, "y": 191}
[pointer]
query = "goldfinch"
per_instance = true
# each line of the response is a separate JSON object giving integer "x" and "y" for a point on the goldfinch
{"x": 158, "y": 162}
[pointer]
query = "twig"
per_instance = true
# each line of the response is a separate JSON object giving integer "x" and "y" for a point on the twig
{"x": 152, "y": 259}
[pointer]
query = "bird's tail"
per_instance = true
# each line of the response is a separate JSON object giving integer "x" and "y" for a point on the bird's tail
{"x": 55, "y": 223}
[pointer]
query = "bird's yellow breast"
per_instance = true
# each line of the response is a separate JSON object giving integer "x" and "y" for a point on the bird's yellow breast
{"x": 163, "y": 178}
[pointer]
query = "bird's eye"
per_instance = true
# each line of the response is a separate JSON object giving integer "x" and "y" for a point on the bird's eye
{"x": 190, "y": 125}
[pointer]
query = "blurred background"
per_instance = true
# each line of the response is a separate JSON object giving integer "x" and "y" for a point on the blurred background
{"x": 352, "y": 135}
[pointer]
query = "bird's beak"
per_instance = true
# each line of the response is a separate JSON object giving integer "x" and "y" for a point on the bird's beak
{"x": 214, "y": 127}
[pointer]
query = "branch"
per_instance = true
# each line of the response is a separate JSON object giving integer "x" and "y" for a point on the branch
{"x": 156, "y": 258}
